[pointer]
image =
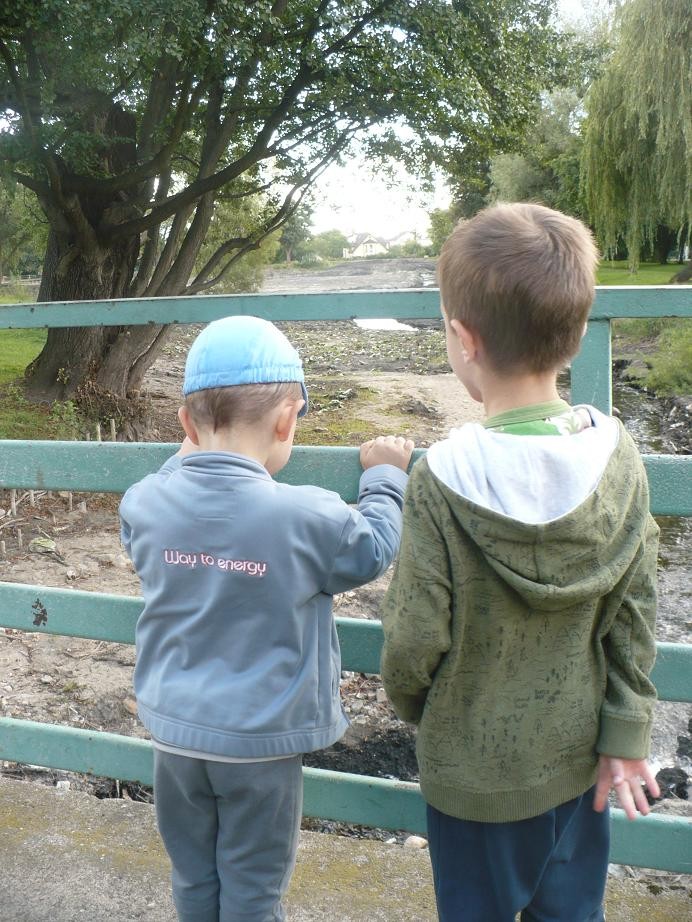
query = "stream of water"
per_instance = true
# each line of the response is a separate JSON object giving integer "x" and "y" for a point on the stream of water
{"x": 642, "y": 416}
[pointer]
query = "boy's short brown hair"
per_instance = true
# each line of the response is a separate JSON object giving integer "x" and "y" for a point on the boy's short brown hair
{"x": 240, "y": 404}
{"x": 522, "y": 277}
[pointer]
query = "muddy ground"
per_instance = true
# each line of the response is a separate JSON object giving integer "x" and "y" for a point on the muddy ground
{"x": 361, "y": 383}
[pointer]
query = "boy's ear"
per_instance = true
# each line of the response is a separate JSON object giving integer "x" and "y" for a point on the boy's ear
{"x": 470, "y": 341}
{"x": 286, "y": 420}
{"x": 188, "y": 425}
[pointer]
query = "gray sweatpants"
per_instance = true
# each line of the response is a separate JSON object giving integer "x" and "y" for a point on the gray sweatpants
{"x": 231, "y": 831}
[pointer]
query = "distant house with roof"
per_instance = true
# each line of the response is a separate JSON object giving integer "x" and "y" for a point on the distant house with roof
{"x": 365, "y": 245}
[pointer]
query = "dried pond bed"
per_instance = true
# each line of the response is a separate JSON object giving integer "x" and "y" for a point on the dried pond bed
{"x": 390, "y": 382}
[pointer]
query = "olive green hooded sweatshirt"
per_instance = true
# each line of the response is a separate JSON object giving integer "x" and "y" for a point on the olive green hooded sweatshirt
{"x": 519, "y": 624}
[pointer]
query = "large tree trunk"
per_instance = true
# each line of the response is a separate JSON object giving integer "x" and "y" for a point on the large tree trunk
{"x": 664, "y": 241}
{"x": 684, "y": 276}
{"x": 100, "y": 368}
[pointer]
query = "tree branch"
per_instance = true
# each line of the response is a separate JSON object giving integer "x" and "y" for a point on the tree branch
{"x": 195, "y": 191}
{"x": 179, "y": 273}
{"x": 195, "y": 288}
{"x": 288, "y": 207}
{"x": 35, "y": 185}
{"x": 92, "y": 185}
{"x": 357, "y": 28}
{"x": 151, "y": 247}
{"x": 233, "y": 244}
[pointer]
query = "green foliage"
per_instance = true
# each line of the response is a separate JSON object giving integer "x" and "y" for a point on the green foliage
{"x": 636, "y": 167}
{"x": 94, "y": 91}
{"x": 66, "y": 420}
{"x": 441, "y": 226}
{"x": 671, "y": 363}
{"x": 546, "y": 170}
{"x": 237, "y": 219}
{"x": 294, "y": 236}
{"x": 20, "y": 419}
{"x": 409, "y": 248}
{"x": 329, "y": 244}
{"x": 23, "y": 230}
{"x": 539, "y": 160}
{"x": 132, "y": 119}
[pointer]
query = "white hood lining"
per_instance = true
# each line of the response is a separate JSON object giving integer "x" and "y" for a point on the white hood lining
{"x": 533, "y": 479}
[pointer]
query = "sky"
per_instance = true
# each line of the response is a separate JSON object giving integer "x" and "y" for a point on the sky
{"x": 350, "y": 199}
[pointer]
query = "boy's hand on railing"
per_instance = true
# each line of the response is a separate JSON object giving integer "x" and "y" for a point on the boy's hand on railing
{"x": 627, "y": 777}
{"x": 387, "y": 449}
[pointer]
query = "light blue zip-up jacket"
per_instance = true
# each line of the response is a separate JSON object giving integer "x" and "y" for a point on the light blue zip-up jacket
{"x": 237, "y": 652}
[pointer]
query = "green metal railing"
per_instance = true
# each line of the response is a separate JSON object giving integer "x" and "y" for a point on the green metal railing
{"x": 655, "y": 841}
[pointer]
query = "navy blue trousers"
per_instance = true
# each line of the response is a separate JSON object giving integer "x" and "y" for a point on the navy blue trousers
{"x": 550, "y": 868}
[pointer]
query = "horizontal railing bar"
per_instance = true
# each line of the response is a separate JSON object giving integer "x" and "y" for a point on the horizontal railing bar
{"x": 111, "y": 467}
{"x": 611, "y": 302}
{"x": 112, "y": 618}
{"x": 382, "y": 803}
{"x": 655, "y": 841}
{"x": 335, "y": 305}
{"x": 69, "y": 612}
{"x": 99, "y": 616}
{"x": 94, "y": 752}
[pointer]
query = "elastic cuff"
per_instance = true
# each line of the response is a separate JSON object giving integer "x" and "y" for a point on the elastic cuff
{"x": 624, "y": 739}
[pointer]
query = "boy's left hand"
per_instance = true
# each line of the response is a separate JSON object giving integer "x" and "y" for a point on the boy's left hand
{"x": 386, "y": 449}
{"x": 627, "y": 777}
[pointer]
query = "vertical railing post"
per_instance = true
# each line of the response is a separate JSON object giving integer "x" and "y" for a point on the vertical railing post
{"x": 591, "y": 373}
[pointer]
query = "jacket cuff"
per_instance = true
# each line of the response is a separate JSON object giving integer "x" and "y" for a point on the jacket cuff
{"x": 624, "y": 739}
{"x": 380, "y": 472}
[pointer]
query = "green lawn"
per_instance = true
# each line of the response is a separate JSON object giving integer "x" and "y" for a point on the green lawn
{"x": 618, "y": 273}
{"x": 20, "y": 419}
{"x": 17, "y": 349}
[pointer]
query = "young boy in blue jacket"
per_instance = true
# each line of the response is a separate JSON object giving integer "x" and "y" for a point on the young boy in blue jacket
{"x": 519, "y": 623}
{"x": 238, "y": 663}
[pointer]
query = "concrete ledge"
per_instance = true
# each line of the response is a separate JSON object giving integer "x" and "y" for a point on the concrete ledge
{"x": 67, "y": 856}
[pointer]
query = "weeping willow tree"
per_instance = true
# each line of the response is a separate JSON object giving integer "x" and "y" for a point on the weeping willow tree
{"x": 637, "y": 159}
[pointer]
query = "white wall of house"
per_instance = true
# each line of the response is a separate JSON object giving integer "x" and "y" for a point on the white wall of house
{"x": 365, "y": 245}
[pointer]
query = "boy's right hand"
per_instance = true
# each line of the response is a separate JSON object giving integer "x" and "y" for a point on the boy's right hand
{"x": 387, "y": 449}
{"x": 627, "y": 777}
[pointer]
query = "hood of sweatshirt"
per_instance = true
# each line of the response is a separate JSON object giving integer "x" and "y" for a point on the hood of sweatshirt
{"x": 560, "y": 519}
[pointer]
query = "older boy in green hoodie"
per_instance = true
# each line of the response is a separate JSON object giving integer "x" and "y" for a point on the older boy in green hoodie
{"x": 519, "y": 625}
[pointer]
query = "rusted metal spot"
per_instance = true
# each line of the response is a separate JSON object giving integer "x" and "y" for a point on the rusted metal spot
{"x": 40, "y": 613}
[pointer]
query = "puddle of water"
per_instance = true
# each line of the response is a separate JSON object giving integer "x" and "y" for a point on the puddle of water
{"x": 385, "y": 323}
